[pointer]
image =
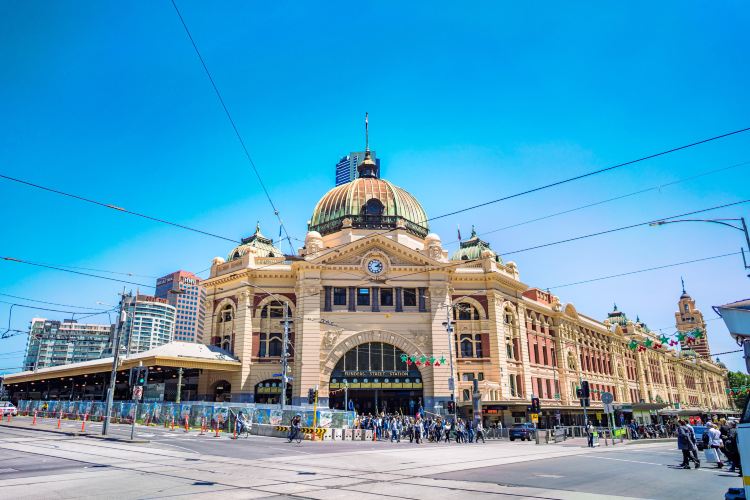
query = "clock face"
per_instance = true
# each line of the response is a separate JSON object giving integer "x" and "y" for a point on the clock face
{"x": 375, "y": 266}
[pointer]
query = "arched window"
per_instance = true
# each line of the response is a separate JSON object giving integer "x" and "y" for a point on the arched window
{"x": 373, "y": 207}
{"x": 226, "y": 314}
{"x": 466, "y": 311}
{"x": 270, "y": 343}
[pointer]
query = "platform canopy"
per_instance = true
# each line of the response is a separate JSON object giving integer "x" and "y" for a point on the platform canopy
{"x": 174, "y": 354}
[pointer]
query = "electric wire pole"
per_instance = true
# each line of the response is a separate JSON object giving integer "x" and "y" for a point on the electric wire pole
{"x": 451, "y": 381}
{"x": 115, "y": 363}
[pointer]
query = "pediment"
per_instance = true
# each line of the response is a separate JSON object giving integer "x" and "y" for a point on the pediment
{"x": 353, "y": 253}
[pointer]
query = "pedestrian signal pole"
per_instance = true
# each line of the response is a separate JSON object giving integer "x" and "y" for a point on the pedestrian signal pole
{"x": 315, "y": 413}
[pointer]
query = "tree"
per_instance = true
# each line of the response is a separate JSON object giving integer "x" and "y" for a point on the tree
{"x": 739, "y": 383}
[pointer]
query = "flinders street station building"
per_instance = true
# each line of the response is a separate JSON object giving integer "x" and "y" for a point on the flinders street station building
{"x": 370, "y": 293}
{"x": 379, "y": 316}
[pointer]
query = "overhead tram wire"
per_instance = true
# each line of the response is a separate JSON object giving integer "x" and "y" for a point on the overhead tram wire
{"x": 548, "y": 186}
{"x": 234, "y": 125}
{"x": 57, "y": 268}
{"x": 655, "y": 268}
{"x": 115, "y": 207}
{"x": 622, "y": 228}
{"x": 48, "y": 303}
{"x": 608, "y": 200}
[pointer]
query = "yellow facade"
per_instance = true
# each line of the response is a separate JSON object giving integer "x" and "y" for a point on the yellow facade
{"x": 516, "y": 340}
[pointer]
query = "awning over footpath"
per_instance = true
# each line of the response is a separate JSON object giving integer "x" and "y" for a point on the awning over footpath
{"x": 174, "y": 354}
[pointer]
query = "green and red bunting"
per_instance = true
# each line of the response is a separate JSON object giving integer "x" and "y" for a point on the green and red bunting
{"x": 689, "y": 338}
{"x": 734, "y": 391}
{"x": 422, "y": 360}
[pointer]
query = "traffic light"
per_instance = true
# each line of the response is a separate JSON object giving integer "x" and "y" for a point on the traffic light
{"x": 579, "y": 393}
{"x": 138, "y": 376}
{"x": 451, "y": 406}
{"x": 585, "y": 389}
{"x": 312, "y": 395}
{"x": 535, "y": 407}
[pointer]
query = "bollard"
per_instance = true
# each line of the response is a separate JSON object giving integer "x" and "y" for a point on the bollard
{"x": 33, "y": 422}
{"x": 217, "y": 429}
{"x": 234, "y": 434}
{"x": 83, "y": 424}
{"x": 9, "y": 414}
{"x": 186, "y": 423}
{"x": 203, "y": 426}
{"x": 59, "y": 420}
{"x": 172, "y": 426}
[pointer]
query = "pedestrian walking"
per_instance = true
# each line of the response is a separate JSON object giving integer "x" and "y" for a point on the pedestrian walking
{"x": 686, "y": 444}
{"x": 715, "y": 444}
{"x": 480, "y": 432}
{"x": 731, "y": 449}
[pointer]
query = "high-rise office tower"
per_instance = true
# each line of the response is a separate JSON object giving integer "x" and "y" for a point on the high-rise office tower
{"x": 346, "y": 168}
{"x": 149, "y": 322}
{"x": 183, "y": 290}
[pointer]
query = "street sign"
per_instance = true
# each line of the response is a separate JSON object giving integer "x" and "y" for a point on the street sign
{"x": 277, "y": 374}
{"x": 607, "y": 398}
{"x": 608, "y": 408}
{"x": 451, "y": 384}
{"x": 137, "y": 392}
{"x": 534, "y": 418}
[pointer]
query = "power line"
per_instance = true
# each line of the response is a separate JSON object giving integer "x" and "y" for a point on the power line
{"x": 58, "y": 268}
{"x": 231, "y": 121}
{"x": 594, "y": 172}
{"x": 657, "y": 187}
{"x": 102, "y": 311}
{"x": 49, "y": 303}
{"x": 622, "y": 228}
{"x": 643, "y": 271}
{"x": 115, "y": 207}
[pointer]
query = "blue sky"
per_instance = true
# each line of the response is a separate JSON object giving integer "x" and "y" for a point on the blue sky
{"x": 467, "y": 104}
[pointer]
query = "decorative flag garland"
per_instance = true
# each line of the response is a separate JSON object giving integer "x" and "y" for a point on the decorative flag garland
{"x": 735, "y": 391}
{"x": 422, "y": 360}
{"x": 689, "y": 338}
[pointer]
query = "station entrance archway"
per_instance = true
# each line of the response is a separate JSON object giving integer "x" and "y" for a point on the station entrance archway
{"x": 377, "y": 380}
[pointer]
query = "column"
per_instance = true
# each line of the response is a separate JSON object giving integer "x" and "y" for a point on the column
{"x": 352, "y": 302}
{"x": 306, "y": 366}
{"x": 375, "y": 299}
{"x": 498, "y": 354}
{"x": 400, "y": 299}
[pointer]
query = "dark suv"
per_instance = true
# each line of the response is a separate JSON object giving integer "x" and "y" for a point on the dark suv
{"x": 521, "y": 431}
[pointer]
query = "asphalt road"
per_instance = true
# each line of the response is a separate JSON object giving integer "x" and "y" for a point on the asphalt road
{"x": 40, "y": 464}
{"x": 630, "y": 471}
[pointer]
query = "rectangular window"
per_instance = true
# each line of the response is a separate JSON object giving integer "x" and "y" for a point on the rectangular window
{"x": 512, "y": 380}
{"x": 539, "y": 387}
{"x": 480, "y": 376}
{"x": 544, "y": 353}
{"x": 363, "y": 296}
{"x": 549, "y": 388}
{"x": 536, "y": 353}
{"x": 339, "y": 296}
{"x": 467, "y": 377}
{"x": 410, "y": 296}
{"x": 554, "y": 358}
{"x": 386, "y": 296}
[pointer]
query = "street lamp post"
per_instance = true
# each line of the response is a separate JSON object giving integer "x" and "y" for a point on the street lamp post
{"x": 451, "y": 381}
{"x": 742, "y": 226}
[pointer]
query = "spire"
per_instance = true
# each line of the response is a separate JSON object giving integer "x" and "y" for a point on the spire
{"x": 257, "y": 227}
{"x": 368, "y": 167}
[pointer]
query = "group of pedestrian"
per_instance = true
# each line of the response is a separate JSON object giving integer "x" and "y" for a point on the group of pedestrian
{"x": 394, "y": 427}
{"x": 719, "y": 442}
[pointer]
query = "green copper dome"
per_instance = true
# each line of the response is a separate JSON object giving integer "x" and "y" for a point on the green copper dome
{"x": 370, "y": 203}
{"x": 259, "y": 244}
{"x": 473, "y": 248}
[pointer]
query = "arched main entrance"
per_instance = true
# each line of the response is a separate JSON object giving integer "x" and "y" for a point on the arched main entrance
{"x": 377, "y": 380}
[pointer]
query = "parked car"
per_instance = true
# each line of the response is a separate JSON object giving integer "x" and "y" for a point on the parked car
{"x": 6, "y": 407}
{"x": 521, "y": 431}
{"x": 699, "y": 431}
